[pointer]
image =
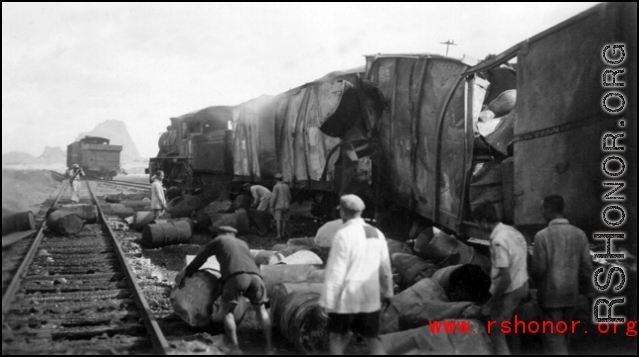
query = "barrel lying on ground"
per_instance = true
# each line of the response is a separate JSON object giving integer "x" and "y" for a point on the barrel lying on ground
{"x": 398, "y": 247}
{"x": 89, "y": 213}
{"x": 424, "y": 290}
{"x": 121, "y": 211}
{"x": 299, "y": 318}
{"x": 203, "y": 217}
{"x": 142, "y": 219}
{"x": 160, "y": 235}
{"x": 65, "y": 223}
{"x": 412, "y": 268}
{"x": 445, "y": 250}
{"x": 424, "y": 302}
{"x": 198, "y": 301}
{"x": 423, "y": 341}
{"x": 238, "y": 220}
{"x": 266, "y": 257}
{"x": 280, "y": 274}
{"x": 465, "y": 282}
{"x": 302, "y": 257}
{"x": 185, "y": 206}
{"x": 24, "y": 221}
{"x": 113, "y": 198}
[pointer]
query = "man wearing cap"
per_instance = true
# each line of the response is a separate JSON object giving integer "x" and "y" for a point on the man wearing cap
{"x": 75, "y": 173}
{"x": 358, "y": 278}
{"x": 281, "y": 204}
{"x": 158, "y": 202}
{"x": 240, "y": 277}
{"x": 261, "y": 196}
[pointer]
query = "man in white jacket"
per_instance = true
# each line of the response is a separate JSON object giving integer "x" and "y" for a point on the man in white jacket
{"x": 358, "y": 279}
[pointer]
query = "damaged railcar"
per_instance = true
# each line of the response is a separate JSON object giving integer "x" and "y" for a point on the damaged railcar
{"x": 310, "y": 134}
{"x": 302, "y": 133}
{"x": 455, "y": 135}
{"x": 425, "y": 136}
{"x": 558, "y": 122}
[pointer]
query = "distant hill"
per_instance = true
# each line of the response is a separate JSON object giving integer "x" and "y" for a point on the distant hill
{"x": 16, "y": 157}
{"x": 53, "y": 155}
{"x": 116, "y": 131}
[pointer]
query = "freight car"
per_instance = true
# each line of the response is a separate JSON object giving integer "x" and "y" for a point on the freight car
{"x": 97, "y": 158}
{"x": 426, "y": 138}
{"x": 451, "y": 138}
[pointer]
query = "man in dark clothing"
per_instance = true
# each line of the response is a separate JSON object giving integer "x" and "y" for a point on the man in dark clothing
{"x": 562, "y": 267}
{"x": 240, "y": 277}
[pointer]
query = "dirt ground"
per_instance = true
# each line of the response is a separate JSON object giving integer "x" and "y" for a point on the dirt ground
{"x": 25, "y": 189}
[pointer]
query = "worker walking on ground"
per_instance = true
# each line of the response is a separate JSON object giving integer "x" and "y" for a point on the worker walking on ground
{"x": 281, "y": 205}
{"x": 509, "y": 274}
{"x": 358, "y": 278}
{"x": 158, "y": 202}
{"x": 240, "y": 277}
{"x": 261, "y": 196}
{"x": 562, "y": 268}
{"x": 76, "y": 172}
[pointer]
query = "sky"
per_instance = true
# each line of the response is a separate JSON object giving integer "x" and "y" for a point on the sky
{"x": 68, "y": 67}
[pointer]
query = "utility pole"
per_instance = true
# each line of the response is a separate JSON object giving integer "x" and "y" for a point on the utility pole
{"x": 448, "y": 43}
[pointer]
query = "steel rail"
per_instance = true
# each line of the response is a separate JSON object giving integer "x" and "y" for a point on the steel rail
{"x": 9, "y": 295}
{"x": 159, "y": 342}
{"x": 126, "y": 184}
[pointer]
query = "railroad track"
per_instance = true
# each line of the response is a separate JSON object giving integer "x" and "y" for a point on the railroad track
{"x": 77, "y": 295}
{"x": 125, "y": 184}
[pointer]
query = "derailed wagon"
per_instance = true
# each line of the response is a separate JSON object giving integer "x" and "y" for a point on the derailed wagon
{"x": 442, "y": 154}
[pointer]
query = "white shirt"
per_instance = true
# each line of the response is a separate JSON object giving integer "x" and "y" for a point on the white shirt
{"x": 508, "y": 249}
{"x": 326, "y": 233}
{"x": 157, "y": 195}
{"x": 358, "y": 272}
{"x": 261, "y": 194}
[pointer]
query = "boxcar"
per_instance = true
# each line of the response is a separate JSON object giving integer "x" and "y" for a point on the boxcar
{"x": 97, "y": 158}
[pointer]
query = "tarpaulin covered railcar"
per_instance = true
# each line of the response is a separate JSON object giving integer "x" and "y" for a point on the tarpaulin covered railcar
{"x": 426, "y": 134}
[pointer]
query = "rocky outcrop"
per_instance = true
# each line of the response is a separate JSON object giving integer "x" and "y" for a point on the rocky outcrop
{"x": 116, "y": 131}
{"x": 53, "y": 155}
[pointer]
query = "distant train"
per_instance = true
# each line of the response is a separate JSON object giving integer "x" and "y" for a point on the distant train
{"x": 413, "y": 136}
{"x": 97, "y": 158}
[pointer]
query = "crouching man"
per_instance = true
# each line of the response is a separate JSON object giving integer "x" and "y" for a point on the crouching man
{"x": 240, "y": 278}
{"x": 358, "y": 278}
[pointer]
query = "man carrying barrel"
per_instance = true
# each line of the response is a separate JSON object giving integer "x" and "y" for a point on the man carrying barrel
{"x": 261, "y": 196}
{"x": 281, "y": 204}
{"x": 158, "y": 201}
{"x": 509, "y": 274}
{"x": 240, "y": 278}
{"x": 358, "y": 278}
{"x": 75, "y": 173}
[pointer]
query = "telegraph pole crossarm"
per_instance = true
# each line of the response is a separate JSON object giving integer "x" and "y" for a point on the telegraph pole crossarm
{"x": 448, "y": 43}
